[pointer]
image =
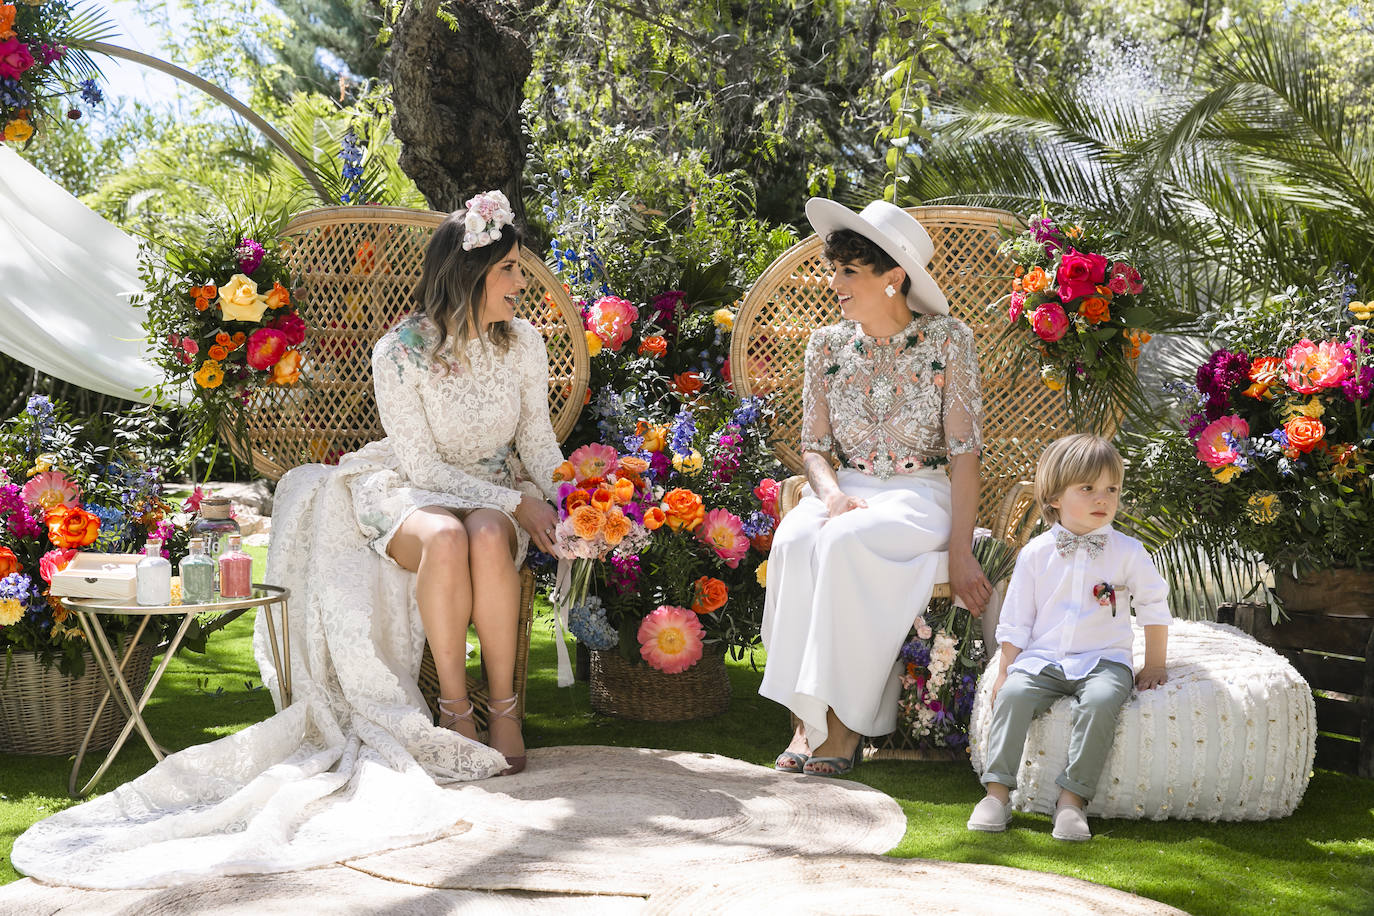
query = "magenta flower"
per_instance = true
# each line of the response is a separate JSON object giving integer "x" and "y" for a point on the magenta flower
{"x": 250, "y": 255}
{"x": 723, "y": 532}
{"x": 15, "y": 59}
{"x": 1049, "y": 322}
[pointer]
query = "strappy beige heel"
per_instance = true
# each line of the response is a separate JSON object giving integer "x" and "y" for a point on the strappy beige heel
{"x": 451, "y": 718}
{"x": 517, "y": 764}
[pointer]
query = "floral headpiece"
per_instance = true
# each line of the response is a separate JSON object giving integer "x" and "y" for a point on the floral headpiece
{"x": 487, "y": 213}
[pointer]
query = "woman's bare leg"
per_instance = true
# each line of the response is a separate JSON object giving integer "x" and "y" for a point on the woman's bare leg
{"x": 434, "y": 544}
{"x": 495, "y": 613}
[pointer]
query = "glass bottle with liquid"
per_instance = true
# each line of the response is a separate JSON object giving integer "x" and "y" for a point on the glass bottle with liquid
{"x": 153, "y": 576}
{"x": 213, "y": 525}
{"x": 235, "y": 570}
{"x": 197, "y": 575}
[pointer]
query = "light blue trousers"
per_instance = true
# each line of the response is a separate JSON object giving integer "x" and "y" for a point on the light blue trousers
{"x": 1097, "y": 700}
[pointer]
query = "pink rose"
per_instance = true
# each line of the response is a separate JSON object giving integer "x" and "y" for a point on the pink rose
{"x": 55, "y": 561}
{"x": 1049, "y": 322}
{"x": 15, "y": 58}
{"x": 612, "y": 319}
{"x": 1080, "y": 274}
{"x": 1018, "y": 305}
{"x": 767, "y": 494}
{"x": 293, "y": 326}
{"x": 1125, "y": 279}
{"x": 1212, "y": 448}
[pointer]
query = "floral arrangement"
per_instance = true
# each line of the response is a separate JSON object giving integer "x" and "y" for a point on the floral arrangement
{"x": 941, "y": 660}
{"x": 1078, "y": 306}
{"x": 222, "y": 323}
{"x": 60, "y": 493}
{"x": 1279, "y": 427}
{"x": 37, "y": 65}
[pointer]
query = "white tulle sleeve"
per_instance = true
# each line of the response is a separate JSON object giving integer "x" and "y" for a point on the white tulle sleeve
{"x": 535, "y": 440}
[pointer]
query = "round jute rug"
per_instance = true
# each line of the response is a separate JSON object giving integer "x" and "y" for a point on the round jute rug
{"x": 629, "y": 821}
{"x": 335, "y": 890}
{"x": 801, "y": 886}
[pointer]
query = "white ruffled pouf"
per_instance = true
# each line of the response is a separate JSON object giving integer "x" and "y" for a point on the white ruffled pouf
{"x": 1231, "y": 736}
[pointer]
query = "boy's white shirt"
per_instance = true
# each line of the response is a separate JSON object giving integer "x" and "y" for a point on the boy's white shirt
{"x": 1051, "y": 614}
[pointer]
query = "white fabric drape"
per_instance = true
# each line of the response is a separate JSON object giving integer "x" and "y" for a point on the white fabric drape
{"x": 66, "y": 276}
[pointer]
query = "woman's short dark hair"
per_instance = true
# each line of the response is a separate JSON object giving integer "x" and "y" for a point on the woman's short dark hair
{"x": 848, "y": 246}
{"x": 453, "y": 282}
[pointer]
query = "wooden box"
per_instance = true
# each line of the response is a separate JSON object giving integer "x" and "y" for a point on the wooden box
{"x": 98, "y": 575}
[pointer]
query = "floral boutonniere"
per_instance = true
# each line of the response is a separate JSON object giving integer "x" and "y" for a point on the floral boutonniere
{"x": 1105, "y": 595}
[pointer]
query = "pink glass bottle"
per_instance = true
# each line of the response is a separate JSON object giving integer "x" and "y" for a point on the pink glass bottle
{"x": 235, "y": 570}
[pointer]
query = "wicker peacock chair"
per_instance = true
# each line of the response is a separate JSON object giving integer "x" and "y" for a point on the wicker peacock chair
{"x": 1021, "y": 416}
{"x": 353, "y": 269}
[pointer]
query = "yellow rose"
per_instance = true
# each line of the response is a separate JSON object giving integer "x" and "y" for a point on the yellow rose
{"x": 239, "y": 300}
{"x": 761, "y": 574}
{"x": 1226, "y": 473}
{"x": 724, "y": 319}
{"x": 593, "y": 343}
{"x": 18, "y": 131}
{"x": 689, "y": 463}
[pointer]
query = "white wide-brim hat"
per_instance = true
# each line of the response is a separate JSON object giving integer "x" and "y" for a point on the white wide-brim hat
{"x": 896, "y": 232}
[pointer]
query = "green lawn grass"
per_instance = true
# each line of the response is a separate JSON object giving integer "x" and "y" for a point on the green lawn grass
{"x": 1318, "y": 861}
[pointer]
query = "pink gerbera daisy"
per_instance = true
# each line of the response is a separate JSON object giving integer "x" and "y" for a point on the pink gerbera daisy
{"x": 670, "y": 639}
{"x": 51, "y": 489}
{"x": 594, "y": 460}
{"x": 723, "y": 532}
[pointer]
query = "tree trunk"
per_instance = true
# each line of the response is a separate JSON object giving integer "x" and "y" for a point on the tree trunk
{"x": 457, "y": 93}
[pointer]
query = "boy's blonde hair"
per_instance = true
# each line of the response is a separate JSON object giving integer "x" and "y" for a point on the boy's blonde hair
{"x": 1080, "y": 458}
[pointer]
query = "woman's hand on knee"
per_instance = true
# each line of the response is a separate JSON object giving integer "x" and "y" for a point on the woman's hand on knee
{"x": 539, "y": 519}
{"x": 967, "y": 582}
{"x": 838, "y": 502}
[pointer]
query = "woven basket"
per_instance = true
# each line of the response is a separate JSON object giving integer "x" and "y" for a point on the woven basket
{"x": 631, "y": 691}
{"x": 45, "y": 713}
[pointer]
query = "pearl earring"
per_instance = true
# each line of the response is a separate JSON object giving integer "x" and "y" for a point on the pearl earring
{"x": 891, "y": 291}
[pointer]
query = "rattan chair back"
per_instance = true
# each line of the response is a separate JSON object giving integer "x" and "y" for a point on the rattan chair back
{"x": 353, "y": 271}
{"x": 792, "y": 298}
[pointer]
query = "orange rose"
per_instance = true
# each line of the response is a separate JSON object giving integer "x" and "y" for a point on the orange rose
{"x": 655, "y": 437}
{"x": 72, "y": 526}
{"x": 634, "y": 464}
{"x": 654, "y": 345}
{"x": 687, "y": 382}
{"x": 224, "y": 340}
{"x": 564, "y": 472}
{"x": 1264, "y": 374}
{"x": 278, "y": 297}
{"x": 1094, "y": 308}
{"x": 602, "y": 499}
{"x": 9, "y": 563}
{"x": 1304, "y": 433}
{"x": 576, "y": 500}
{"x": 684, "y": 509}
{"x": 762, "y": 542}
{"x": 654, "y": 518}
{"x": 708, "y": 595}
{"x": 624, "y": 491}
{"x": 287, "y": 370}
{"x": 587, "y": 522}
{"x": 7, "y": 14}
{"x": 617, "y": 526}
{"x": 1035, "y": 280}
{"x": 217, "y": 352}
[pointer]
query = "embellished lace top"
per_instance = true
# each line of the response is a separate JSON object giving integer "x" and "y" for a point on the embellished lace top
{"x": 465, "y": 429}
{"x": 892, "y": 405}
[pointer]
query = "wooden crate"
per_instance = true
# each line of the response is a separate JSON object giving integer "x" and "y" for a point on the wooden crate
{"x": 1335, "y": 655}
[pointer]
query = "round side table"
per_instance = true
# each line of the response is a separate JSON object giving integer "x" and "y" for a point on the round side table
{"x": 271, "y": 598}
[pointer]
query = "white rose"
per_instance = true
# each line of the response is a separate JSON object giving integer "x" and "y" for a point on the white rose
{"x": 474, "y": 222}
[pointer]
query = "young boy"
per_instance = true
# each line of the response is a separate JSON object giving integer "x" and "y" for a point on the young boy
{"x": 1065, "y": 630}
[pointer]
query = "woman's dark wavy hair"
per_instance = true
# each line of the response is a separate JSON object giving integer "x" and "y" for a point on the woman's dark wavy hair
{"x": 453, "y": 281}
{"x": 848, "y": 246}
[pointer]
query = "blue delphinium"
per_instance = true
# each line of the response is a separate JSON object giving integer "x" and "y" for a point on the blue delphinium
{"x": 90, "y": 92}
{"x": 747, "y": 413}
{"x": 587, "y": 621}
{"x": 352, "y": 156}
{"x": 680, "y": 435}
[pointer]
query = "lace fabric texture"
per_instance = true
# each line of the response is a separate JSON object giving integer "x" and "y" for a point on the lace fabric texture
{"x": 892, "y": 405}
{"x": 354, "y": 765}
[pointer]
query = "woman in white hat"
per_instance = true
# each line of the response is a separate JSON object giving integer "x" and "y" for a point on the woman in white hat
{"x": 891, "y": 396}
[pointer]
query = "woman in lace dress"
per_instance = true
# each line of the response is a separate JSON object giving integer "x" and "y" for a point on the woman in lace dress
{"x": 891, "y": 395}
{"x": 407, "y": 538}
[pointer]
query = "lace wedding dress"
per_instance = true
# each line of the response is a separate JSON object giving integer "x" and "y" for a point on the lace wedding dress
{"x": 354, "y": 765}
{"x": 843, "y": 592}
